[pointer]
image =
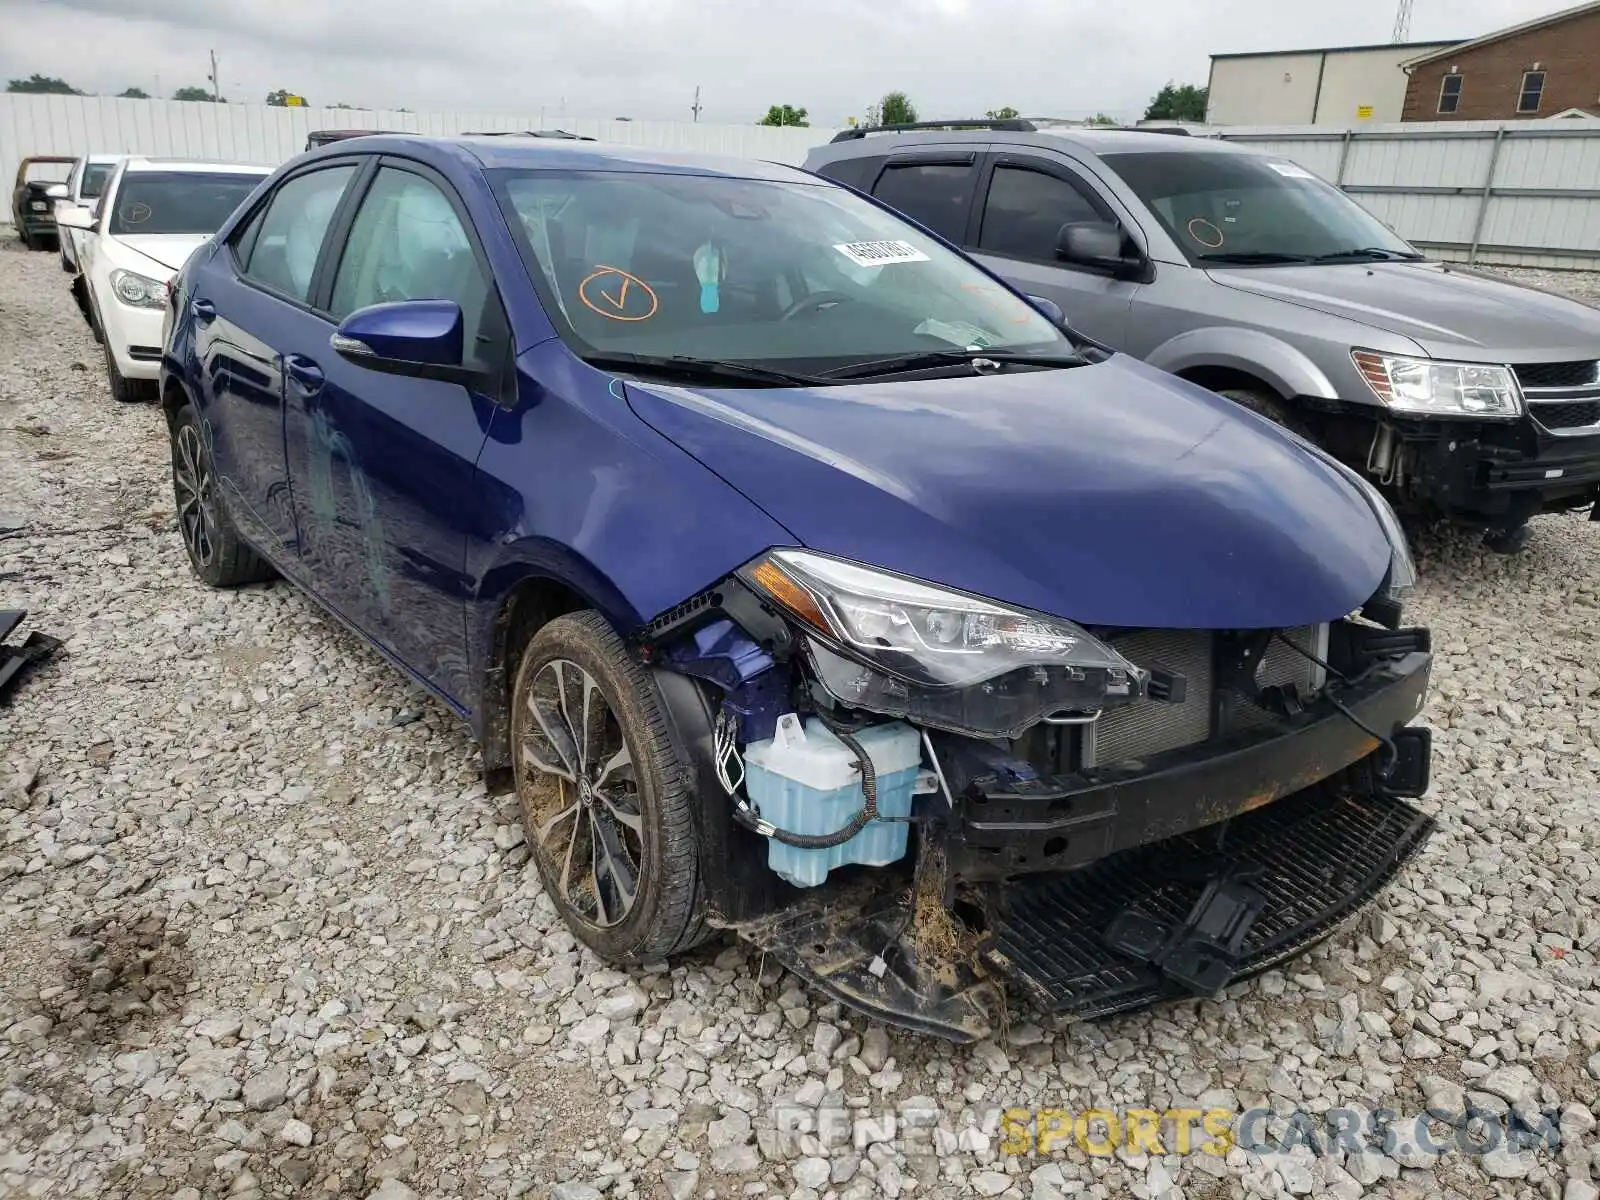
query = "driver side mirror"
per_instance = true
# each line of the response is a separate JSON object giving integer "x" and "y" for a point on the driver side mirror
{"x": 76, "y": 218}
{"x": 1099, "y": 246}
{"x": 57, "y": 191}
{"x": 421, "y": 339}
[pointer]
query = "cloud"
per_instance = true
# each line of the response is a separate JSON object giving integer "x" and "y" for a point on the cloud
{"x": 607, "y": 58}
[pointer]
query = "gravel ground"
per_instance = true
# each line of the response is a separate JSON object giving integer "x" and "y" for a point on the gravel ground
{"x": 262, "y": 931}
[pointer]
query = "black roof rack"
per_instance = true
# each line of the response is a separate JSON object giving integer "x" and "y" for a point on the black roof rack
{"x": 1013, "y": 125}
{"x": 538, "y": 133}
{"x": 1176, "y": 130}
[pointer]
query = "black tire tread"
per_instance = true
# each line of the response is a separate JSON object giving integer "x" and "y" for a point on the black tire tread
{"x": 236, "y": 562}
{"x": 679, "y": 923}
{"x": 1265, "y": 404}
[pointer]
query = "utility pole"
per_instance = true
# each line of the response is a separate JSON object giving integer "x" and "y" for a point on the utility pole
{"x": 1402, "y": 22}
{"x": 696, "y": 107}
{"x": 216, "y": 88}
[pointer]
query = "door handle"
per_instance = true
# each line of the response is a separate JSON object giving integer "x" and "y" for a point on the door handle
{"x": 306, "y": 376}
{"x": 203, "y": 310}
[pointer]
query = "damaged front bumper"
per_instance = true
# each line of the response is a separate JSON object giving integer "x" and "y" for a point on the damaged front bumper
{"x": 1110, "y": 889}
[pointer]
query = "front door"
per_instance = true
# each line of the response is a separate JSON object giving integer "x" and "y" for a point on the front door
{"x": 1026, "y": 202}
{"x": 381, "y": 466}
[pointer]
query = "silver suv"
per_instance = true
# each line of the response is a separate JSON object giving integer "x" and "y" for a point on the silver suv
{"x": 1243, "y": 272}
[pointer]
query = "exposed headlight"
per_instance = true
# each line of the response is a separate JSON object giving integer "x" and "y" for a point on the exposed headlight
{"x": 137, "y": 290}
{"x": 1425, "y": 388}
{"x": 38, "y": 205}
{"x": 909, "y": 649}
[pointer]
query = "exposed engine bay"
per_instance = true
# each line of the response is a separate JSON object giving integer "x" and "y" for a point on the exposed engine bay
{"x": 919, "y": 800}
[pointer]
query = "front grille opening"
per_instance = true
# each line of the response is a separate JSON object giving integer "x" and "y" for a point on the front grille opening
{"x": 1576, "y": 415}
{"x": 1558, "y": 375}
{"x": 1145, "y": 729}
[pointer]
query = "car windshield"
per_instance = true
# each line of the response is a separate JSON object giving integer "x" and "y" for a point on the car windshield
{"x": 785, "y": 275}
{"x": 1246, "y": 209}
{"x": 94, "y": 179}
{"x": 178, "y": 201}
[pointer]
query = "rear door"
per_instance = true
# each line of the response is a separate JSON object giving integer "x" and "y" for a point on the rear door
{"x": 249, "y": 302}
{"x": 382, "y": 466}
{"x": 1027, "y": 198}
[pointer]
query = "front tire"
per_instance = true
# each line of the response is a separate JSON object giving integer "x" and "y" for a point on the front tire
{"x": 607, "y": 803}
{"x": 123, "y": 389}
{"x": 1265, "y": 404}
{"x": 218, "y": 555}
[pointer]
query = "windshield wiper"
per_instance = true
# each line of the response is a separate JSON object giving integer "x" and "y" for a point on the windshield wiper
{"x": 685, "y": 367}
{"x": 926, "y": 359}
{"x": 1369, "y": 252}
{"x": 1246, "y": 257}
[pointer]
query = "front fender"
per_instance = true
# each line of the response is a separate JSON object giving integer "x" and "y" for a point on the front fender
{"x": 1286, "y": 370}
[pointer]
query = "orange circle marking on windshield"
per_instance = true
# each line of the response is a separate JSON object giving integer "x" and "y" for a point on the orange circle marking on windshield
{"x": 1204, "y": 224}
{"x": 617, "y": 295}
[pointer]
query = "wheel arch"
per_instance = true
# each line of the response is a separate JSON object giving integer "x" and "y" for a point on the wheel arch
{"x": 517, "y": 599}
{"x": 1244, "y": 358}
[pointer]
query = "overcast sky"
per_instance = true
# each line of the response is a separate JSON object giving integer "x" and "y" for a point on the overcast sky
{"x": 643, "y": 58}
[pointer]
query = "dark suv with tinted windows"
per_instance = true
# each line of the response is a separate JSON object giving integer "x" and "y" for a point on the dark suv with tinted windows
{"x": 1241, "y": 271}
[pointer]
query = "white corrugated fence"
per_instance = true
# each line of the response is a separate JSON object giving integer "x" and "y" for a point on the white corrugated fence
{"x": 257, "y": 133}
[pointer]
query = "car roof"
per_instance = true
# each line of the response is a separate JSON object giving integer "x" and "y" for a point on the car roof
{"x": 138, "y": 162}
{"x": 496, "y": 152}
{"x": 1095, "y": 141}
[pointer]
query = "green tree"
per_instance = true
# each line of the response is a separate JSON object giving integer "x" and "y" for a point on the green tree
{"x": 1174, "y": 103}
{"x": 195, "y": 93}
{"x": 895, "y": 109}
{"x": 1102, "y": 119}
{"x": 1003, "y": 114}
{"x": 43, "y": 85}
{"x": 785, "y": 114}
{"x": 133, "y": 93}
{"x": 280, "y": 98}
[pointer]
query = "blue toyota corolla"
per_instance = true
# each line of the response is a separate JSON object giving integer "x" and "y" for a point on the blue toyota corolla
{"x": 802, "y": 578}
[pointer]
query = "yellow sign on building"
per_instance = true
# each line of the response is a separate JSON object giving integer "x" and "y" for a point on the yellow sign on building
{"x": 1364, "y": 112}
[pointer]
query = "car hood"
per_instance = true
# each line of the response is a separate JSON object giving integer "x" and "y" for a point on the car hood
{"x": 1449, "y": 312}
{"x": 171, "y": 250}
{"x": 1111, "y": 494}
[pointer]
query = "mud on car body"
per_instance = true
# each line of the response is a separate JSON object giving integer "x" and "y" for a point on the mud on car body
{"x": 803, "y": 579}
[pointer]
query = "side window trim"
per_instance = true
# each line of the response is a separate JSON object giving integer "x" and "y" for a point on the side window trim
{"x": 339, "y": 230}
{"x": 250, "y": 227}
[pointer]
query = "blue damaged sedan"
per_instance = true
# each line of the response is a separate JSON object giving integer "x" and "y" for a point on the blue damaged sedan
{"x": 804, "y": 580}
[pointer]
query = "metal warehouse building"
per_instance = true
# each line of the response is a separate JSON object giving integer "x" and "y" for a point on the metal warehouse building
{"x": 1337, "y": 85}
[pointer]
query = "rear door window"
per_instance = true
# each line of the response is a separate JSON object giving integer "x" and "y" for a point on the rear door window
{"x": 854, "y": 172}
{"x": 278, "y": 249}
{"x": 936, "y": 194}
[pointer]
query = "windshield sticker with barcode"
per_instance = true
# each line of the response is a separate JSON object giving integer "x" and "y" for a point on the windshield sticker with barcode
{"x": 1290, "y": 171}
{"x": 880, "y": 254}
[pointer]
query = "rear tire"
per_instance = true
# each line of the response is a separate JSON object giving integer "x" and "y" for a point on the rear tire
{"x": 218, "y": 555}
{"x": 606, "y": 794}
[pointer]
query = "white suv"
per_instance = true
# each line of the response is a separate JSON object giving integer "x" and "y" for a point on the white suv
{"x": 85, "y": 186}
{"x": 153, "y": 215}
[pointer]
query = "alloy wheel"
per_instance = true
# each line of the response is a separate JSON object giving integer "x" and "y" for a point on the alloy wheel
{"x": 581, "y": 793}
{"x": 191, "y": 476}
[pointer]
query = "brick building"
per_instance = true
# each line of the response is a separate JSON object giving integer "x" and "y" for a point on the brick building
{"x": 1537, "y": 69}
